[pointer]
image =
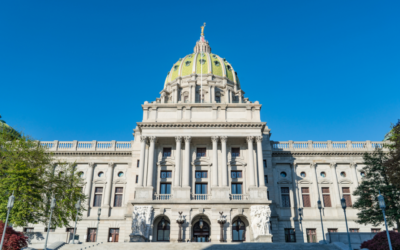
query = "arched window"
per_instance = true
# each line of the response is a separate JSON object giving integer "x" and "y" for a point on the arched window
{"x": 163, "y": 230}
{"x": 238, "y": 230}
{"x": 201, "y": 231}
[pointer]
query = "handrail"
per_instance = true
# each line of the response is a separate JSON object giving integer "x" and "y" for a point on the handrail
{"x": 87, "y": 145}
{"x": 327, "y": 145}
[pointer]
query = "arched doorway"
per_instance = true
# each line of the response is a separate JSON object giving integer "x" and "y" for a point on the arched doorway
{"x": 201, "y": 231}
{"x": 163, "y": 229}
{"x": 238, "y": 230}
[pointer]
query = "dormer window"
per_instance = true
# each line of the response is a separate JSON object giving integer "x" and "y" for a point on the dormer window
{"x": 166, "y": 152}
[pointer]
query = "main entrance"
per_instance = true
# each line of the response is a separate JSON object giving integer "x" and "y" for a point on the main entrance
{"x": 201, "y": 231}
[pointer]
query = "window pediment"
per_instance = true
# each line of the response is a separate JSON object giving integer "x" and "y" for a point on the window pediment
{"x": 305, "y": 182}
{"x": 345, "y": 181}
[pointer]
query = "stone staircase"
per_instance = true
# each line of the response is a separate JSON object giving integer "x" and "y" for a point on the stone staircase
{"x": 199, "y": 246}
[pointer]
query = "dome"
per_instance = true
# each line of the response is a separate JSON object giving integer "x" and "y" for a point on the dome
{"x": 202, "y": 62}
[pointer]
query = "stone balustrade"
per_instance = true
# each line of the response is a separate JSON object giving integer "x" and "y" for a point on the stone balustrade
{"x": 326, "y": 145}
{"x": 87, "y": 145}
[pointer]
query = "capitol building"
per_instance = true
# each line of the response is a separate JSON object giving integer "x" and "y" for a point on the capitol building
{"x": 202, "y": 167}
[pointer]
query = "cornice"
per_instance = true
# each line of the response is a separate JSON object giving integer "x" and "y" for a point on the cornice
{"x": 201, "y": 124}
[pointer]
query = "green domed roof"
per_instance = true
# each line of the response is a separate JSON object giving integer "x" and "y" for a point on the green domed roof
{"x": 198, "y": 63}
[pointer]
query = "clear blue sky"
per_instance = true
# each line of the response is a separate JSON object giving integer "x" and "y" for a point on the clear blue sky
{"x": 79, "y": 70}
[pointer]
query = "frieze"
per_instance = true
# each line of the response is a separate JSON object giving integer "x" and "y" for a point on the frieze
{"x": 202, "y": 125}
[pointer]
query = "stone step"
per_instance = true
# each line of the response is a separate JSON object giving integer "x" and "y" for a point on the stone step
{"x": 199, "y": 246}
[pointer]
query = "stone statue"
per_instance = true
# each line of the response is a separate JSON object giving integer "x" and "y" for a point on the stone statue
{"x": 202, "y": 29}
{"x": 260, "y": 216}
{"x": 142, "y": 218}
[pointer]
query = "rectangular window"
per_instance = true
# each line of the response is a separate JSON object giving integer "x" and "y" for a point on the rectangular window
{"x": 236, "y": 188}
{"x": 70, "y": 230}
{"x": 113, "y": 235}
{"x": 165, "y": 188}
{"x": 375, "y": 230}
{"x": 265, "y": 163}
{"x": 91, "y": 235}
{"x": 28, "y": 230}
{"x": 98, "y": 193}
{"x": 290, "y": 235}
{"x": 137, "y": 179}
{"x": 201, "y": 152}
{"x": 118, "y": 196}
{"x": 332, "y": 230}
{"x": 347, "y": 196}
{"x": 354, "y": 230}
{"x": 311, "y": 236}
{"x": 138, "y": 163}
{"x": 326, "y": 197}
{"x": 50, "y": 230}
{"x": 166, "y": 174}
{"x": 265, "y": 179}
{"x": 218, "y": 99}
{"x": 201, "y": 174}
{"x": 236, "y": 174}
{"x": 201, "y": 188}
{"x": 166, "y": 152}
{"x": 285, "y": 197}
{"x": 268, "y": 195}
{"x": 235, "y": 152}
{"x": 306, "y": 196}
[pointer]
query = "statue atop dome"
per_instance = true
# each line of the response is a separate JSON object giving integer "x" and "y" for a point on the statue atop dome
{"x": 202, "y": 29}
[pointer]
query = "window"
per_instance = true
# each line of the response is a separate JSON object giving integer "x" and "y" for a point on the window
{"x": 375, "y": 230}
{"x": 98, "y": 193}
{"x": 290, "y": 235}
{"x": 303, "y": 174}
{"x": 201, "y": 188}
{"x": 332, "y": 230}
{"x": 113, "y": 235}
{"x": 201, "y": 174}
{"x": 138, "y": 163}
{"x": 354, "y": 230}
{"x": 201, "y": 152}
{"x": 165, "y": 188}
{"x": 236, "y": 174}
{"x": 343, "y": 174}
{"x": 137, "y": 179}
{"x": 100, "y": 174}
{"x": 80, "y": 174}
{"x": 268, "y": 195}
{"x": 50, "y": 230}
{"x": 163, "y": 230}
{"x": 362, "y": 174}
{"x": 166, "y": 174}
{"x": 285, "y": 197}
{"x": 118, "y": 196}
{"x": 121, "y": 174}
{"x": 326, "y": 197}
{"x": 311, "y": 236}
{"x": 347, "y": 196}
{"x": 306, "y": 196}
{"x": 28, "y": 229}
{"x": 235, "y": 152}
{"x": 236, "y": 188}
{"x": 238, "y": 230}
{"x": 91, "y": 235}
{"x": 166, "y": 152}
{"x": 323, "y": 174}
{"x": 218, "y": 99}
{"x": 266, "y": 179}
{"x": 70, "y": 230}
{"x": 265, "y": 163}
{"x": 283, "y": 174}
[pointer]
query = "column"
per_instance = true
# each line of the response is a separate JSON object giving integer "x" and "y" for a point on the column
{"x": 214, "y": 174}
{"x": 335, "y": 184}
{"x": 177, "y": 182}
{"x": 142, "y": 159}
{"x": 260, "y": 162}
{"x": 150, "y": 166}
{"x": 212, "y": 94}
{"x": 186, "y": 166}
{"x": 109, "y": 183}
{"x": 250, "y": 162}
{"x": 224, "y": 167}
{"x": 89, "y": 180}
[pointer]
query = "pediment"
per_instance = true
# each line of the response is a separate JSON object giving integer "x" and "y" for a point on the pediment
{"x": 99, "y": 181}
{"x": 166, "y": 162}
{"x": 305, "y": 182}
{"x": 237, "y": 162}
{"x": 120, "y": 182}
{"x": 345, "y": 181}
{"x": 284, "y": 182}
{"x": 325, "y": 182}
{"x": 201, "y": 162}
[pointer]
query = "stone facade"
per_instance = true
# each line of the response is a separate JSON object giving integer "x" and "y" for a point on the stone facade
{"x": 201, "y": 149}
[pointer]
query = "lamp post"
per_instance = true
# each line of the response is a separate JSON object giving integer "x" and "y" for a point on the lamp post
{"x": 343, "y": 202}
{"x": 382, "y": 205}
{"x": 10, "y": 205}
{"x": 98, "y": 222}
{"x": 180, "y": 221}
{"x": 77, "y": 206}
{"x": 52, "y": 206}
{"x": 322, "y": 225}
{"x": 221, "y": 222}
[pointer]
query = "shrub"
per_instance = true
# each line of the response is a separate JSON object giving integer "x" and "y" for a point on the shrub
{"x": 380, "y": 242}
{"x": 13, "y": 240}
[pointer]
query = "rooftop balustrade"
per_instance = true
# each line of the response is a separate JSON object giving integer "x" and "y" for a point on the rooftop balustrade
{"x": 87, "y": 145}
{"x": 326, "y": 145}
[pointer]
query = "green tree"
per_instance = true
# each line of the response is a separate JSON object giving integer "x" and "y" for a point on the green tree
{"x": 377, "y": 180}
{"x": 393, "y": 162}
{"x": 34, "y": 175}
